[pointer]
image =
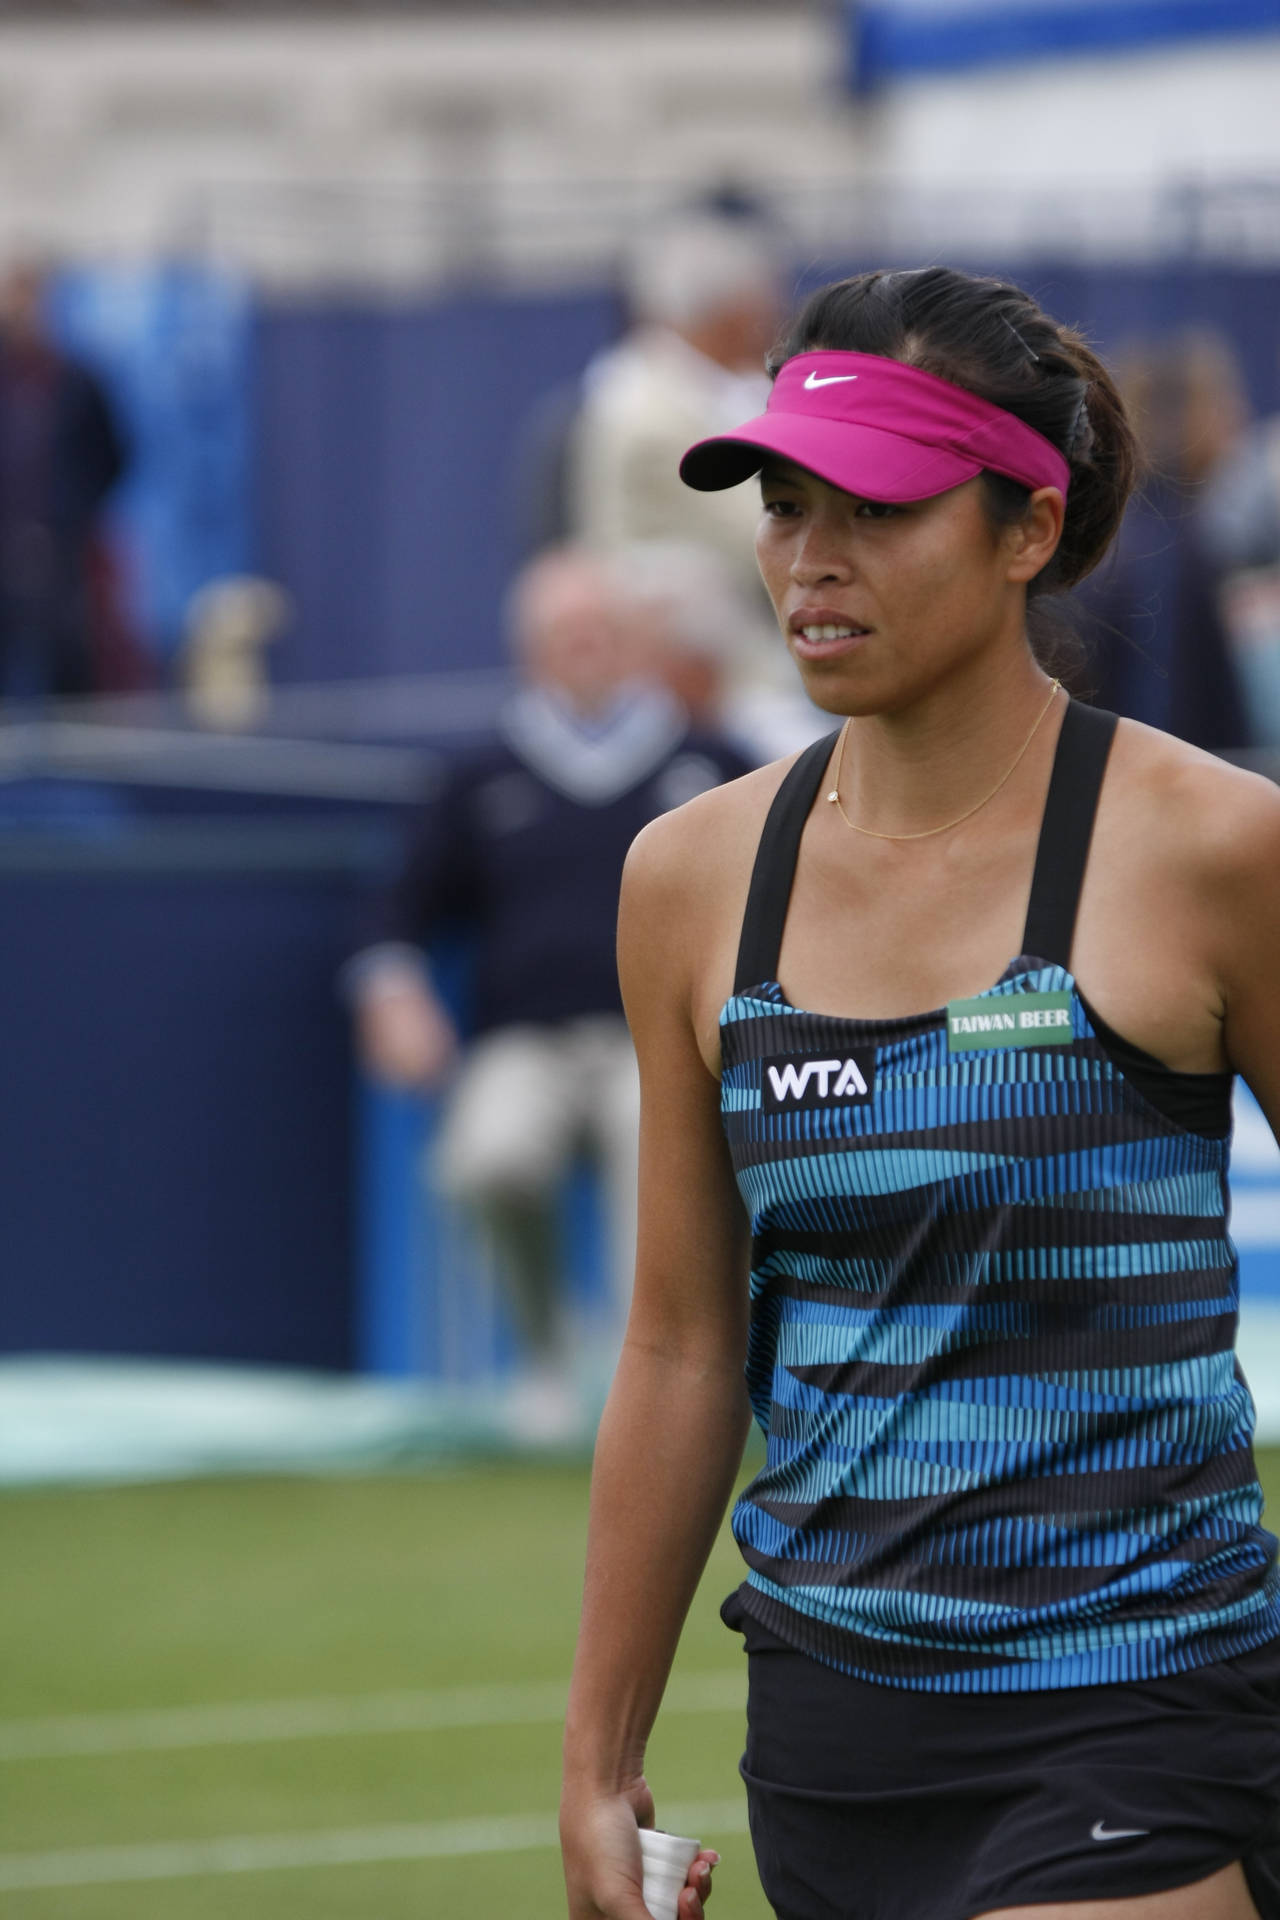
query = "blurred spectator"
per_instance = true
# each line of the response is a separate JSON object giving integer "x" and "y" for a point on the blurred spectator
{"x": 522, "y": 849}
{"x": 1242, "y": 504}
{"x": 702, "y": 303}
{"x": 60, "y": 453}
{"x": 1151, "y": 614}
{"x": 693, "y": 615}
{"x": 1242, "y": 532}
{"x": 598, "y": 459}
{"x": 704, "y": 296}
{"x": 688, "y": 614}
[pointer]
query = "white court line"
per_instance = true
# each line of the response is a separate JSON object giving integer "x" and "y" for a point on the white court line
{"x": 243, "y": 1723}
{"x": 339, "y": 1847}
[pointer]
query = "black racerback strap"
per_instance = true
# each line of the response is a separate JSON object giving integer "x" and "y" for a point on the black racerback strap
{"x": 769, "y": 895}
{"x": 1065, "y": 832}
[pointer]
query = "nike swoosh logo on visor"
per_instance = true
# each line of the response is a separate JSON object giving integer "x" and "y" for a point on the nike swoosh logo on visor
{"x": 1099, "y": 1832}
{"x": 828, "y": 379}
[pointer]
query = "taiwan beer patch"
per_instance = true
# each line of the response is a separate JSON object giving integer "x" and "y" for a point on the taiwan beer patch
{"x": 791, "y": 1080}
{"x": 1009, "y": 1020}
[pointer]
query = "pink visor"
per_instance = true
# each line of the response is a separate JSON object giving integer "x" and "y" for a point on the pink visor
{"x": 874, "y": 427}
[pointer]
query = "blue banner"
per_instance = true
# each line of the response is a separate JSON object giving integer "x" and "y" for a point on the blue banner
{"x": 896, "y": 39}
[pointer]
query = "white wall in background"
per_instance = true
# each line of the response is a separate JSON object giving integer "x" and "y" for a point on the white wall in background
{"x": 396, "y": 151}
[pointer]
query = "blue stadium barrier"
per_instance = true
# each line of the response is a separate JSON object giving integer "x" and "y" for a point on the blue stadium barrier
{"x": 175, "y": 1132}
{"x": 389, "y": 1127}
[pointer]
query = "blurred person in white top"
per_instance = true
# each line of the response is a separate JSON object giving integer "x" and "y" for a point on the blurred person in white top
{"x": 704, "y": 291}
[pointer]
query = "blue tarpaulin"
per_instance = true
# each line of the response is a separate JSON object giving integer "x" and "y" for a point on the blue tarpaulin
{"x": 898, "y": 39}
{"x": 172, "y": 342}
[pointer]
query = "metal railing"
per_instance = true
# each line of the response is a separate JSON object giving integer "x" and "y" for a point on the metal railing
{"x": 374, "y": 740}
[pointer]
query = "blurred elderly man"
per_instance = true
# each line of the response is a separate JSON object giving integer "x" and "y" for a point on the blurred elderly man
{"x": 692, "y": 616}
{"x": 522, "y": 848}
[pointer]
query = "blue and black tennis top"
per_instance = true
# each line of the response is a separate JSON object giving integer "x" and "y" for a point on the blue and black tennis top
{"x": 993, "y": 1314}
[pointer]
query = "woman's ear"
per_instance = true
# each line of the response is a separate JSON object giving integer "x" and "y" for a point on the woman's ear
{"x": 1033, "y": 540}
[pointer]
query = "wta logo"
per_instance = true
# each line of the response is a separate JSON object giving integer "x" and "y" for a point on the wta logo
{"x": 792, "y": 1080}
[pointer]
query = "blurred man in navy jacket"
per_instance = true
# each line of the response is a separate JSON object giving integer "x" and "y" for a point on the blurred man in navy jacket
{"x": 522, "y": 846}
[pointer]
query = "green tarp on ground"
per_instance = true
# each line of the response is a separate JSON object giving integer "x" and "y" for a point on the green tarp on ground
{"x": 76, "y": 1421}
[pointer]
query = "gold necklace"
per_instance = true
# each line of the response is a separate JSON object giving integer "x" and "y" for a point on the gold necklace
{"x": 947, "y": 825}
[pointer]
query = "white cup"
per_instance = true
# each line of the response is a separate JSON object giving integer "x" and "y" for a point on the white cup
{"x": 667, "y": 1860}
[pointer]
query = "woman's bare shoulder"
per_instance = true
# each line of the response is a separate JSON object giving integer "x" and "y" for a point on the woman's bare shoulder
{"x": 683, "y": 894}
{"x": 1217, "y": 822}
{"x": 710, "y": 842}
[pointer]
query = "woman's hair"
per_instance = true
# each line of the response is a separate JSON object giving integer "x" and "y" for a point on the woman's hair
{"x": 993, "y": 339}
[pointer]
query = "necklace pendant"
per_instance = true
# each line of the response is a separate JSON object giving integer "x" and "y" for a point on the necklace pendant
{"x": 834, "y": 794}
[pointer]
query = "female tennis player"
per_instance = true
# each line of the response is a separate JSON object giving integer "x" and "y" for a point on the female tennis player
{"x": 937, "y": 1025}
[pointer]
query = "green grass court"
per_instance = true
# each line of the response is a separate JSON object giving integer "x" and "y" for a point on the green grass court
{"x": 436, "y": 1610}
{"x": 322, "y": 1698}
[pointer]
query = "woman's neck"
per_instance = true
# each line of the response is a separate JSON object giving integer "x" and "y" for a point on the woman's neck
{"x": 910, "y": 770}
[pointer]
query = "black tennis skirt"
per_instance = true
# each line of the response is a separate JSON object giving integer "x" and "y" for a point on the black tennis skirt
{"x": 872, "y": 1802}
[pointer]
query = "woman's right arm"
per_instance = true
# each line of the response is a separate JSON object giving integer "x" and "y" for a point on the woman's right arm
{"x": 672, "y": 1435}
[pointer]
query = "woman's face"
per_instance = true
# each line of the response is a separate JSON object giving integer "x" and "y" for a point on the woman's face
{"x": 878, "y": 602}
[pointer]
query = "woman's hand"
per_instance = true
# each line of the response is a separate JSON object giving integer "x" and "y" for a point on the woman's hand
{"x": 671, "y": 1437}
{"x": 602, "y": 1864}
